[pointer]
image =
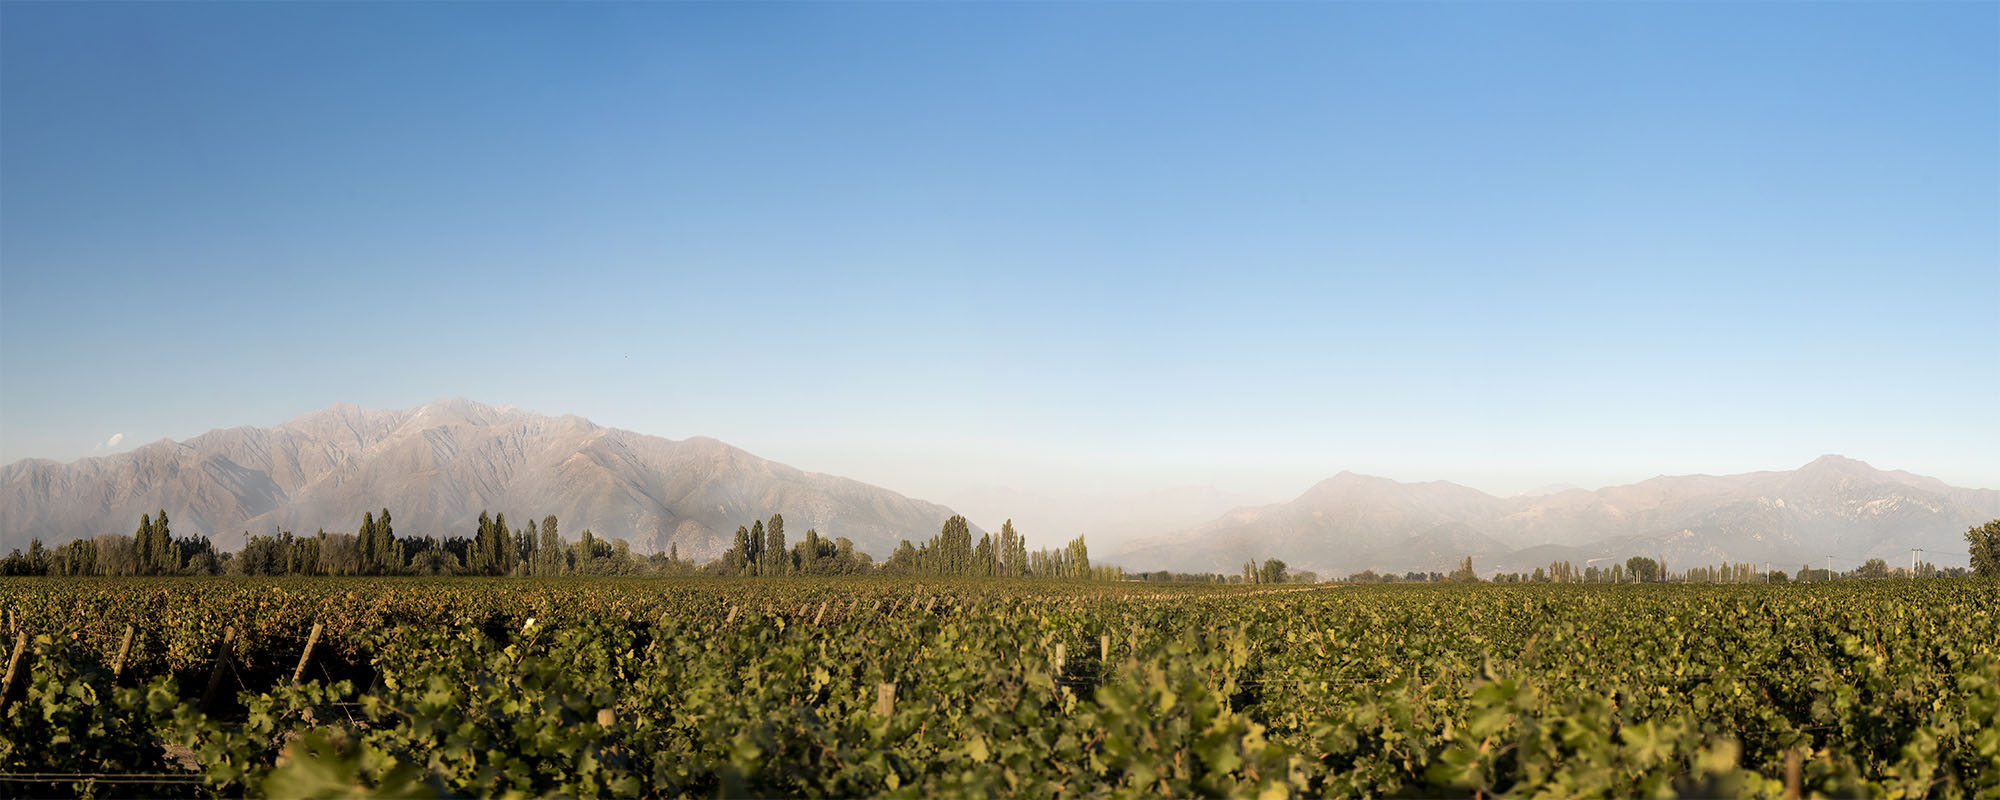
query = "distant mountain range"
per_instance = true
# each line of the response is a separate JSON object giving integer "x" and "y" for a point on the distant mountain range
{"x": 1834, "y": 506}
{"x": 436, "y": 467}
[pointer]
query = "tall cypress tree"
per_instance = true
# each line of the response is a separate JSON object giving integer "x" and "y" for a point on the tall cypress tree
{"x": 776, "y": 560}
{"x": 552, "y": 546}
{"x": 756, "y": 547}
{"x": 482, "y": 543}
{"x": 165, "y": 560}
{"x": 503, "y": 545}
{"x": 387, "y": 554}
{"x": 364, "y": 541}
{"x": 1008, "y": 538}
{"x": 142, "y": 545}
{"x": 742, "y": 550}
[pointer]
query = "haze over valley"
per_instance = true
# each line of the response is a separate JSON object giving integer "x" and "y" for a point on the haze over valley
{"x": 438, "y": 466}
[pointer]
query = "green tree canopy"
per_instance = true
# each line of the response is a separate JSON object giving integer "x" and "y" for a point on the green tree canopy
{"x": 1984, "y": 545}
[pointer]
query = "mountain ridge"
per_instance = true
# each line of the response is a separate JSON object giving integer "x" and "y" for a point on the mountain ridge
{"x": 438, "y": 465}
{"x": 1832, "y": 506}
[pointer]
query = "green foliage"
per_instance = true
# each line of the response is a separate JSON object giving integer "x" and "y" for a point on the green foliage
{"x": 619, "y": 687}
{"x": 1643, "y": 569}
{"x": 777, "y": 560}
{"x": 1983, "y": 543}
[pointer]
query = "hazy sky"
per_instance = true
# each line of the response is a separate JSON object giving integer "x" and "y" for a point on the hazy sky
{"x": 1056, "y": 246}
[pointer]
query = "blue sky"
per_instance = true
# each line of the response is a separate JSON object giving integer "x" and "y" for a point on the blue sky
{"x": 1068, "y": 247}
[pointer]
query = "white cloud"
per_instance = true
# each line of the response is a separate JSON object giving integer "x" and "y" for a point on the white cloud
{"x": 108, "y": 443}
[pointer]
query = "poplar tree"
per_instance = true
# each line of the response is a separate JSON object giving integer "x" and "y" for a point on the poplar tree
{"x": 740, "y": 554}
{"x": 161, "y": 558}
{"x": 482, "y": 543}
{"x": 364, "y": 543}
{"x": 776, "y": 559}
{"x": 502, "y": 547}
{"x": 142, "y": 544}
{"x": 387, "y": 552}
{"x": 551, "y": 551}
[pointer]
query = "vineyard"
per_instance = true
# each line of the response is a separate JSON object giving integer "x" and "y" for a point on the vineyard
{"x": 866, "y": 687}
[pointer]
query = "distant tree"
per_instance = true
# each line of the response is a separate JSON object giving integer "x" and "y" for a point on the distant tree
{"x": 755, "y": 560}
{"x": 954, "y": 548}
{"x": 1272, "y": 571}
{"x": 1464, "y": 573}
{"x": 338, "y": 554}
{"x": 76, "y": 558}
{"x": 983, "y": 559}
{"x": 502, "y": 548}
{"x": 153, "y": 546}
{"x": 736, "y": 561}
{"x": 163, "y": 560}
{"x": 1077, "y": 555}
{"x": 777, "y": 560}
{"x": 550, "y": 555}
{"x": 1009, "y": 540}
{"x": 1642, "y": 569}
{"x": 1983, "y": 543}
{"x": 364, "y": 541}
{"x": 902, "y": 561}
{"x": 387, "y": 552}
{"x": 1014, "y": 551}
{"x": 1874, "y": 568}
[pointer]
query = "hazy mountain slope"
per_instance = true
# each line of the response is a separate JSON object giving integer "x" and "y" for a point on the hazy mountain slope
{"x": 1107, "y": 520}
{"x": 1345, "y": 520}
{"x": 1833, "y": 506}
{"x": 436, "y": 467}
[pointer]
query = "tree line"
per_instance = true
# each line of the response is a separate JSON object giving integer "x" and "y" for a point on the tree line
{"x": 494, "y": 548}
{"x": 497, "y": 548}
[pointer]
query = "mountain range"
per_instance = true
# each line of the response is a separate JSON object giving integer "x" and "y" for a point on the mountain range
{"x": 1833, "y": 507}
{"x": 436, "y": 467}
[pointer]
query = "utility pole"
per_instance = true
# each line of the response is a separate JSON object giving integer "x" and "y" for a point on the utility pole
{"x": 1829, "y": 567}
{"x": 1913, "y": 560}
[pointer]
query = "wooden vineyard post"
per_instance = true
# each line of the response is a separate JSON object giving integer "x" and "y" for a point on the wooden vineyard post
{"x": 1793, "y": 768}
{"x": 1104, "y": 648}
{"x": 885, "y": 699}
{"x": 221, "y": 660}
{"x": 732, "y": 616}
{"x": 124, "y": 649}
{"x": 817, "y": 618}
{"x": 299, "y": 672}
{"x": 17, "y": 670}
{"x": 1062, "y": 654}
{"x": 606, "y": 717}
